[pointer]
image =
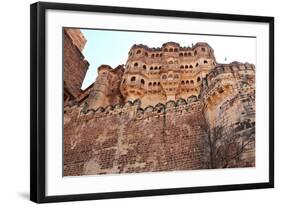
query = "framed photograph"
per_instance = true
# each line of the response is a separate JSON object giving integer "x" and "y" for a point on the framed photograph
{"x": 129, "y": 102}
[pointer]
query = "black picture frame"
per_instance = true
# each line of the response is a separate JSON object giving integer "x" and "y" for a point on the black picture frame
{"x": 38, "y": 101}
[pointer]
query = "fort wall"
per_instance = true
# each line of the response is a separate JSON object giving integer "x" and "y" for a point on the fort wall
{"x": 131, "y": 139}
{"x": 168, "y": 108}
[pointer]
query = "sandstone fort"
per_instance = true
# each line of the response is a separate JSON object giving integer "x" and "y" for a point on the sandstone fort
{"x": 170, "y": 108}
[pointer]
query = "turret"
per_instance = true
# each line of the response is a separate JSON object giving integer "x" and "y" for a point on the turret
{"x": 101, "y": 89}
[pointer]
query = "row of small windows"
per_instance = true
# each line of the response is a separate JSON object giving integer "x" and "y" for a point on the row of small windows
{"x": 170, "y": 76}
{"x": 186, "y": 66}
{"x": 156, "y": 55}
{"x": 154, "y": 84}
{"x": 133, "y": 79}
{"x": 151, "y": 67}
{"x": 191, "y": 66}
{"x": 190, "y": 82}
{"x": 169, "y": 50}
{"x": 170, "y": 62}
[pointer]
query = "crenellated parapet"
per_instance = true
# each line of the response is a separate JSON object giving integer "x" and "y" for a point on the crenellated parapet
{"x": 170, "y": 49}
{"x": 229, "y": 88}
{"x": 134, "y": 109}
{"x": 225, "y": 80}
{"x": 161, "y": 111}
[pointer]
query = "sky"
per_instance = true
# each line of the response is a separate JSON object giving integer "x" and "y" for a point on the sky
{"x": 112, "y": 47}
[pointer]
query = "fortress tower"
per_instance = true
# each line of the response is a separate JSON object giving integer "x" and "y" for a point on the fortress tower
{"x": 168, "y": 108}
{"x": 106, "y": 90}
{"x": 171, "y": 72}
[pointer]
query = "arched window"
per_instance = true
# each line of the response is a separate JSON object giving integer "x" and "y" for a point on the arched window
{"x": 158, "y": 83}
{"x": 136, "y": 64}
{"x": 144, "y": 67}
{"x": 164, "y": 77}
{"x": 152, "y": 56}
{"x": 159, "y": 67}
{"x": 203, "y": 49}
{"x": 198, "y": 79}
{"x": 133, "y": 78}
{"x": 176, "y": 76}
{"x": 146, "y": 54}
{"x": 181, "y": 54}
{"x": 151, "y": 68}
{"x": 190, "y": 66}
{"x": 157, "y": 55}
{"x": 166, "y": 50}
{"x": 171, "y": 50}
{"x": 189, "y": 54}
{"x": 196, "y": 65}
{"x": 185, "y": 54}
{"x": 138, "y": 51}
{"x": 191, "y": 82}
{"x": 205, "y": 61}
{"x": 160, "y": 54}
{"x": 186, "y": 66}
{"x": 149, "y": 84}
{"x": 175, "y": 50}
{"x": 182, "y": 66}
{"x": 170, "y": 76}
{"x": 142, "y": 81}
{"x": 195, "y": 52}
{"x": 154, "y": 84}
{"x": 182, "y": 82}
{"x": 155, "y": 68}
{"x": 187, "y": 82}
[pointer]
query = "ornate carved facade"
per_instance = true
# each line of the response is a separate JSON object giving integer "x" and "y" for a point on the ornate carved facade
{"x": 161, "y": 111}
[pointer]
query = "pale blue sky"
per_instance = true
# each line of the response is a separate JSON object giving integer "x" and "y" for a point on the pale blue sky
{"x": 112, "y": 47}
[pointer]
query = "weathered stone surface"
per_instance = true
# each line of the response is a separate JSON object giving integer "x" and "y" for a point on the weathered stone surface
{"x": 75, "y": 66}
{"x": 187, "y": 112}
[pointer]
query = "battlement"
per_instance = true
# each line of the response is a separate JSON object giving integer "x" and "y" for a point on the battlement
{"x": 160, "y": 112}
{"x": 226, "y": 80}
{"x": 172, "y": 47}
{"x": 192, "y": 104}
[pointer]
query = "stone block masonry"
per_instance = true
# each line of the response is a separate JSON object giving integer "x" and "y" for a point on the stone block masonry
{"x": 130, "y": 139}
{"x": 167, "y": 109}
